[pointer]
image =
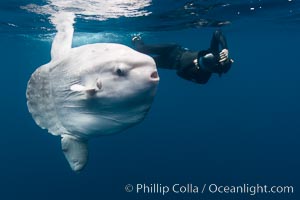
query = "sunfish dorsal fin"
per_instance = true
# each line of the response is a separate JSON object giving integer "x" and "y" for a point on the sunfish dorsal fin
{"x": 75, "y": 151}
{"x": 62, "y": 42}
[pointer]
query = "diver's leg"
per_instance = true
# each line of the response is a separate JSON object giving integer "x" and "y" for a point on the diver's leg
{"x": 195, "y": 74}
{"x": 165, "y": 55}
{"x": 161, "y": 49}
{"x": 164, "y": 61}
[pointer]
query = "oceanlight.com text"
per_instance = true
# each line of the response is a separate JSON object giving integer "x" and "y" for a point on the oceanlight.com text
{"x": 248, "y": 189}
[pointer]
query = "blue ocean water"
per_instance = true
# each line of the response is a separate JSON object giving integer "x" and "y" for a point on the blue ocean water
{"x": 241, "y": 128}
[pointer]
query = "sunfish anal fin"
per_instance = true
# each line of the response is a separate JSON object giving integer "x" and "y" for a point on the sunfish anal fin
{"x": 75, "y": 151}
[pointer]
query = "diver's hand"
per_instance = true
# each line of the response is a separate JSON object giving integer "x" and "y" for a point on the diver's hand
{"x": 223, "y": 55}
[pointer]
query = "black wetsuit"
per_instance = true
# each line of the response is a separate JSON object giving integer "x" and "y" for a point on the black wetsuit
{"x": 173, "y": 56}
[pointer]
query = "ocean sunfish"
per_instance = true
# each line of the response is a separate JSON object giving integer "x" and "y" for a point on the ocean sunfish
{"x": 88, "y": 91}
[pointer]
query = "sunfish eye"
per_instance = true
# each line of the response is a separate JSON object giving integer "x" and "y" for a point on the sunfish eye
{"x": 120, "y": 72}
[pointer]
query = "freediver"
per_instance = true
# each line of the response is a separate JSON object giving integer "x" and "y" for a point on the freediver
{"x": 196, "y": 66}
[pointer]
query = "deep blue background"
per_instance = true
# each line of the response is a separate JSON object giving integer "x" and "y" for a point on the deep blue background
{"x": 240, "y": 128}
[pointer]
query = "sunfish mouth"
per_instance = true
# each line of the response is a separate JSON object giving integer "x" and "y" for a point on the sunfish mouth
{"x": 154, "y": 76}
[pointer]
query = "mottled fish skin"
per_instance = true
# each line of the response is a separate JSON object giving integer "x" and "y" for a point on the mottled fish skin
{"x": 40, "y": 102}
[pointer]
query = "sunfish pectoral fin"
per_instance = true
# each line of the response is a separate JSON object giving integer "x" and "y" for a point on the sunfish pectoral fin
{"x": 81, "y": 88}
{"x": 75, "y": 151}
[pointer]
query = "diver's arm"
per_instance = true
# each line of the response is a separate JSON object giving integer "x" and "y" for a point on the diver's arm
{"x": 218, "y": 41}
{"x": 218, "y": 38}
{"x": 200, "y": 78}
{"x": 205, "y": 76}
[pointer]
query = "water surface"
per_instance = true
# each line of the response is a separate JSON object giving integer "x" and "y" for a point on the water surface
{"x": 240, "y": 128}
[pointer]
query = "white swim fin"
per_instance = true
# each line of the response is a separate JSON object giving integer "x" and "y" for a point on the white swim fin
{"x": 75, "y": 151}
